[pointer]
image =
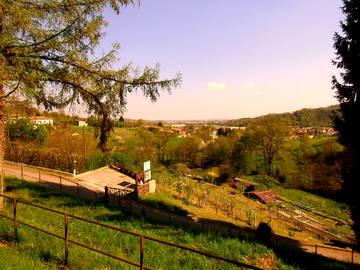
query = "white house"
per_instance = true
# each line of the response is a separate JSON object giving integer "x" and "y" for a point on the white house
{"x": 81, "y": 123}
{"x": 41, "y": 120}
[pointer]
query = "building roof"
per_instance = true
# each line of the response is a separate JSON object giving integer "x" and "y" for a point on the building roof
{"x": 264, "y": 196}
{"x": 40, "y": 118}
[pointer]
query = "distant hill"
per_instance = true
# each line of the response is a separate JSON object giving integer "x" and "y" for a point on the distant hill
{"x": 318, "y": 117}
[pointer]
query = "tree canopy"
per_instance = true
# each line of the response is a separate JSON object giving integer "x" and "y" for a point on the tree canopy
{"x": 48, "y": 54}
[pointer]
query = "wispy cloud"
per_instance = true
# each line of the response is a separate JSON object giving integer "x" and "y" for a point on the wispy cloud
{"x": 250, "y": 85}
{"x": 216, "y": 85}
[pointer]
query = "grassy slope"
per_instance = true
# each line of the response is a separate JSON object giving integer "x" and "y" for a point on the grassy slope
{"x": 173, "y": 200}
{"x": 35, "y": 249}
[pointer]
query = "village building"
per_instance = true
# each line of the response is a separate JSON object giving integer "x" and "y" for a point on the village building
{"x": 81, "y": 123}
{"x": 264, "y": 197}
{"x": 41, "y": 120}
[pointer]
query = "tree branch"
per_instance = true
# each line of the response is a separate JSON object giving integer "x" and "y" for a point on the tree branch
{"x": 12, "y": 91}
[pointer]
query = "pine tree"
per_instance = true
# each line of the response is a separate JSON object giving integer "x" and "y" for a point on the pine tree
{"x": 347, "y": 87}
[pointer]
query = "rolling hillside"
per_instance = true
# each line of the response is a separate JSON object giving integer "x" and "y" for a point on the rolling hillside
{"x": 318, "y": 117}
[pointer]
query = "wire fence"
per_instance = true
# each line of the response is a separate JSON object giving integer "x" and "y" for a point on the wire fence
{"x": 16, "y": 222}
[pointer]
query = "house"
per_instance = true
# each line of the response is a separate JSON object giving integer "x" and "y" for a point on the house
{"x": 81, "y": 123}
{"x": 41, "y": 120}
{"x": 180, "y": 131}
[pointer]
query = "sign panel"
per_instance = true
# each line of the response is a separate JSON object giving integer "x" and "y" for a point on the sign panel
{"x": 147, "y": 176}
{"x": 147, "y": 166}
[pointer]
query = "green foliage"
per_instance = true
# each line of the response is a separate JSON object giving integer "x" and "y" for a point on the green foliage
{"x": 319, "y": 117}
{"x": 316, "y": 166}
{"x": 269, "y": 137}
{"x": 24, "y": 131}
{"x": 250, "y": 215}
{"x": 47, "y": 55}
{"x": 45, "y": 157}
{"x": 347, "y": 89}
{"x": 92, "y": 121}
{"x": 96, "y": 160}
{"x": 265, "y": 180}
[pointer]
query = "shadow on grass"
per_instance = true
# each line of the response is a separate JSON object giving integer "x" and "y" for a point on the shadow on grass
{"x": 288, "y": 250}
{"x": 291, "y": 252}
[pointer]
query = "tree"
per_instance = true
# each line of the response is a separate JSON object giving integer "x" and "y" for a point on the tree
{"x": 47, "y": 54}
{"x": 24, "y": 131}
{"x": 347, "y": 87}
{"x": 269, "y": 137}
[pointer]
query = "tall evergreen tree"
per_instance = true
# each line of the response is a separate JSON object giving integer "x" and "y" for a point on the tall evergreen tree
{"x": 347, "y": 87}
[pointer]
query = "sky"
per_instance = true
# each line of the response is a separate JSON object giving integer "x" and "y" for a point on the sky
{"x": 238, "y": 58}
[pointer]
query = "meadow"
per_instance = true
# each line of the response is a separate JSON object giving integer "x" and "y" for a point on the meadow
{"x": 36, "y": 250}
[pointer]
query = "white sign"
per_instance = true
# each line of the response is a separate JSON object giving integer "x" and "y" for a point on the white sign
{"x": 147, "y": 176}
{"x": 147, "y": 166}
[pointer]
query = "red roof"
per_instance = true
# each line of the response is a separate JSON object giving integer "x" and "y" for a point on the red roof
{"x": 40, "y": 118}
{"x": 264, "y": 196}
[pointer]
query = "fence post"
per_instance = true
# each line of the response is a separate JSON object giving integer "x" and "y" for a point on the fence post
{"x": 141, "y": 252}
{"x": 77, "y": 190}
{"x": 22, "y": 172}
{"x": 15, "y": 219}
{"x": 66, "y": 223}
{"x": 106, "y": 195}
{"x": 60, "y": 183}
{"x": 352, "y": 256}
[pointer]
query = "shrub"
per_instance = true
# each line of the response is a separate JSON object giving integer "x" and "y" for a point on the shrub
{"x": 265, "y": 180}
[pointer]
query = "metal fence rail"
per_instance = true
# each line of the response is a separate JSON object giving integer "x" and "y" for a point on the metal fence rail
{"x": 67, "y": 240}
{"x": 318, "y": 247}
{"x": 63, "y": 183}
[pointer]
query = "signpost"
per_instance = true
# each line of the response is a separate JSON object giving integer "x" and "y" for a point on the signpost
{"x": 147, "y": 171}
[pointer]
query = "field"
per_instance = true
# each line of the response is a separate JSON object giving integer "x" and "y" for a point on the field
{"x": 36, "y": 250}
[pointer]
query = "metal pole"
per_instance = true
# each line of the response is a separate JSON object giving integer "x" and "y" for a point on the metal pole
{"x": 66, "y": 239}
{"x": 352, "y": 256}
{"x": 15, "y": 219}
{"x": 141, "y": 252}
{"x": 106, "y": 195}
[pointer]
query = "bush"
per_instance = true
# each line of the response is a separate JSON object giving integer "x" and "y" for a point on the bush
{"x": 96, "y": 160}
{"x": 250, "y": 215}
{"x": 265, "y": 180}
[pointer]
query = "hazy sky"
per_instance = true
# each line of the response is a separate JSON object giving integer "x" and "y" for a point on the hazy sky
{"x": 238, "y": 58}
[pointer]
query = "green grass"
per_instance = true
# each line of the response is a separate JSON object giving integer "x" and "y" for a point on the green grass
{"x": 326, "y": 205}
{"x": 162, "y": 200}
{"x": 42, "y": 248}
{"x": 331, "y": 207}
{"x": 36, "y": 250}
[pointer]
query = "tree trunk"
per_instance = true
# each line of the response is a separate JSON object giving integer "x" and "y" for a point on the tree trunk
{"x": 2, "y": 145}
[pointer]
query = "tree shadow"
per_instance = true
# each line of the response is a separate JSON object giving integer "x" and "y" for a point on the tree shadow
{"x": 288, "y": 250}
